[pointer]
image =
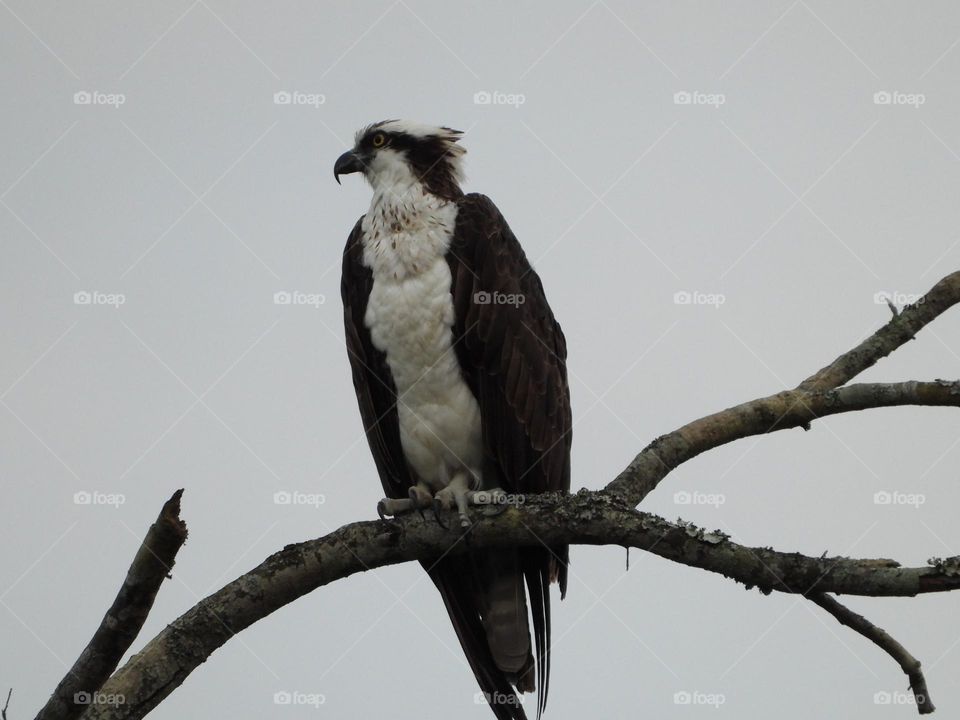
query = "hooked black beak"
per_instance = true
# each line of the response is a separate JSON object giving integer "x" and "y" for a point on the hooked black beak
{"x": 347, "y": 163}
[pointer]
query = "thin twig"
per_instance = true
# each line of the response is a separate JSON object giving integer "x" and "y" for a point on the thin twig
{"x": 901, "y": 329}
{"x": 908, "y": 663}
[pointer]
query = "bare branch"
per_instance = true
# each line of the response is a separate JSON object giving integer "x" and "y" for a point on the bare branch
{"x": 901, "y": 328}
{"x": 788, "y": 409}
{"x": 122, "y": 623}
{"x": 907, "y": 662}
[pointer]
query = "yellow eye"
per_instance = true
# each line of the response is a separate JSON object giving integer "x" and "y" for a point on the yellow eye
{"x": 379, "y": 139}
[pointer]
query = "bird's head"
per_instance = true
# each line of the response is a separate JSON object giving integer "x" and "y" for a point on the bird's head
{"x": 396, "y": 154}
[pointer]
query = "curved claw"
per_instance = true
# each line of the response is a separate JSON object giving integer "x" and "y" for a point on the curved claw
{"x": 381, "y": 510}
{"x": 437, "y": 508}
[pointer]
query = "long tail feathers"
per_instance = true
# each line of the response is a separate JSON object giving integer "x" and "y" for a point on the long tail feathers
{"x": 485, "y": 598}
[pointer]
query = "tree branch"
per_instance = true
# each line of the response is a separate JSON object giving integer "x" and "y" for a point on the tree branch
{"x": 901, "y": 328}
{"x": 908, "y": 663}
{"x": 122, "y": 623}
{"x": 788, "y": 409}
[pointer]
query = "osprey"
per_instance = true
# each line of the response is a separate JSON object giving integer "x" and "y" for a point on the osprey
{"x": 460, "y": 372}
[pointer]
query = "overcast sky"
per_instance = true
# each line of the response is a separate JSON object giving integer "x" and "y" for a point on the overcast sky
{"x": 713, "y": 194}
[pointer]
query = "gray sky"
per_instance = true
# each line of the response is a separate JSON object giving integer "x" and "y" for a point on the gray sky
{"x": 778, "y": 190}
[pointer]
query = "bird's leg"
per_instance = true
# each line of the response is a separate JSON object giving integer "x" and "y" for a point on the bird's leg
{"x": 455, "y": 494}
{"x": 393, "y": 506}
{"x": 419, "y": 498}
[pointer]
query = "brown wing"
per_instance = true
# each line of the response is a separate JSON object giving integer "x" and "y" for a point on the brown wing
{"x": 513, "y": 356}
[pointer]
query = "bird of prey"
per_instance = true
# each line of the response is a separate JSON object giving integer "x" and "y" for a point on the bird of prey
{"x": 460, "y": 372}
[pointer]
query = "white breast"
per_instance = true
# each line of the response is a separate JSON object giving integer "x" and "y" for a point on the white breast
{"x": 410, "y": 317}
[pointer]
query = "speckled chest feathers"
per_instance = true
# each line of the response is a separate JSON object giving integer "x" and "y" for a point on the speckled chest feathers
{"x": 410, "y": 315}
